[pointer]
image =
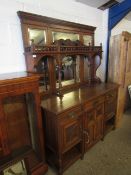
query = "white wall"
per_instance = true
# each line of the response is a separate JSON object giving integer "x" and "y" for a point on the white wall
{"x": 11, "y": 46}
{"x": 123, "y": 25}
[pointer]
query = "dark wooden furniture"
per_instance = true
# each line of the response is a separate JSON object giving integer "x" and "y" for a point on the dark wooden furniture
{"x": 21, "y": 132}
{"x": 76, "y": 123}
{"x": 61, "y": 40}
{"x": 78, "y": 110}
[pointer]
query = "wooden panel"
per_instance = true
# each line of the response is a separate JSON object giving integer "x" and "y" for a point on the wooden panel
{"x": 89, "y": 129}
{"x": 119, "y": 69}
{"x": 94, "y": 103}
{"x": 114, "y": 59}
{"x": 99, "y": 122}
{"x": 71, "y": 134}
{"x": 15, "y": 115}
{"x": 70, "y": 128}
{"x": 17, "y": 120}
{"x": 110, "y": 104}
{"x": 1, "y": 148}
{"x": 128, "y": 64}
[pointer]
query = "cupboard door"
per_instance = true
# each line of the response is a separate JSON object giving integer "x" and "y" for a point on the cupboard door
{"x": 89, "y": 128}
{"x": 71, "y": 132}
{"x": 99, "y": 118}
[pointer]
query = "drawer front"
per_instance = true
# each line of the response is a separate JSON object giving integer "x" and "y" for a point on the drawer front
{"x": 71, "y": 114}
{"x": 111, "y": 96}
{"x": 93, "y": 103}
{"x": 70, "y": 128}
{"x": 100, "y": 110}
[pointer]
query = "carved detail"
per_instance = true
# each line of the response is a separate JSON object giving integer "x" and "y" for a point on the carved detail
{"x": 62, "y": 48}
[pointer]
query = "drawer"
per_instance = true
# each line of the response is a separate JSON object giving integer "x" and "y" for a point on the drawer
{"x": 93, "y": 103}
{"x": 111, "y": 96}
{"x": 71, "y": 114}
{"x": 100, "y": 110}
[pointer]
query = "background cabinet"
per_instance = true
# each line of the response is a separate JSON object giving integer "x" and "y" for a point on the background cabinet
{"x": 20, "y": 122}
{"x": 119, "y": 69}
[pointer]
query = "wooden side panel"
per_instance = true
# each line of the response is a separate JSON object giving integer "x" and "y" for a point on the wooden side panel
{"x": 1, "y": 147}
{"x": 114, "y": 59}
{"x": 17, "y": 122}
{"x": 99, "y": 122}
{"x": 128, "y": 74}
{"x": 50, "y": 126}
{"x": 120, "y": 69}
{"x": 89, "y": 128}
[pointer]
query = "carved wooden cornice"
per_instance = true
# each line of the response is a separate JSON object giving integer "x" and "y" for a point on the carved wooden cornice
{"x": 26, "y": 17}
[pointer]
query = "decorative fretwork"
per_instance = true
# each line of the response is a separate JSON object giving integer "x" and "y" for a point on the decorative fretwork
{"x": 64, "y": 47}
{"x": 61, "y": 49}
{"x": 49, "y": 50}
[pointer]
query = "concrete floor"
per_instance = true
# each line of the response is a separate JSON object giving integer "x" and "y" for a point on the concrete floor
{"x": 109, "y": 157}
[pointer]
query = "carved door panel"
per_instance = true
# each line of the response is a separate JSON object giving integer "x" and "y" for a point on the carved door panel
{"x": 71, "y": 132}
{"x": 99, "y": 122}
{"x": 89, "y": 128}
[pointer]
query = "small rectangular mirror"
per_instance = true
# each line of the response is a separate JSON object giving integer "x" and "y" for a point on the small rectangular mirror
{"x": 87, "y": 39}
{"x": 69, "y": 71}
{"x": 62, "y": 35}
{"x": 37, "y": 37}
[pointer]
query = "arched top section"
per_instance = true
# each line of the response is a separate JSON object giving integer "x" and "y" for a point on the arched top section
{"x": 117, "y": 12}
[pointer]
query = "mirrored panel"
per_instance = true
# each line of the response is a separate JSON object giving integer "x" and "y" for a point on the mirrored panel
{"x": 37, "y": 37}
{"x": 62, "y": 35}
{"x": 69, "y": 73}
{"x": 42, "y": 69}
{"x": 87, "y": 39}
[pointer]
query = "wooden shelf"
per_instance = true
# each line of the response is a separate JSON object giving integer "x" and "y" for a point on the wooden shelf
{"x": 109, "y": 116}
{"x": 109, "y": 124}
{"x": 70, "y": 157}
